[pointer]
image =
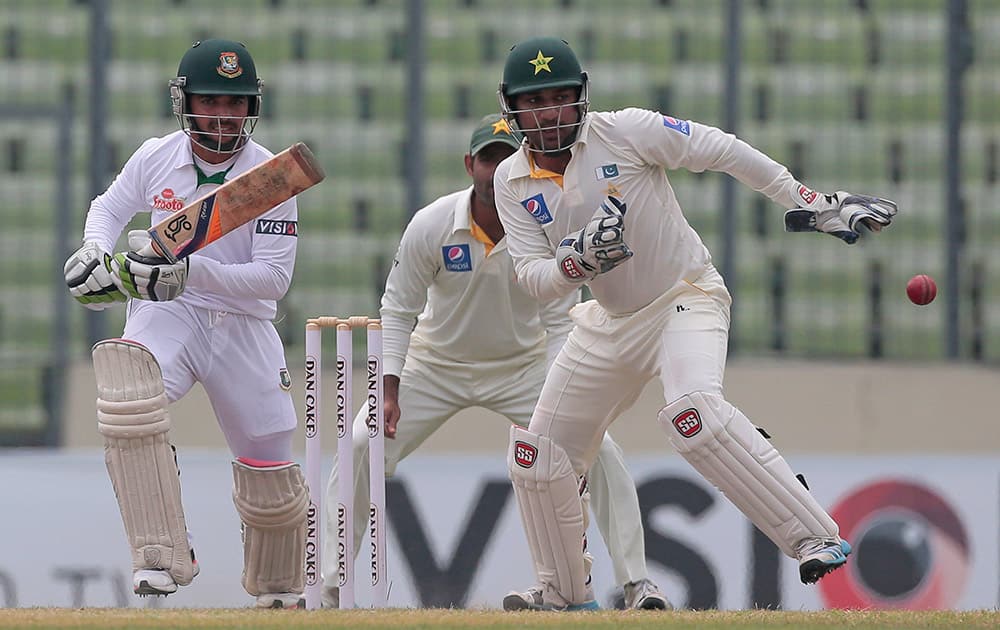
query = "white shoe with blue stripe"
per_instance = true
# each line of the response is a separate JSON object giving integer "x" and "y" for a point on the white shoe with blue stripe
{"x": 532, "y": 600}
{"x": 819, "y": 556}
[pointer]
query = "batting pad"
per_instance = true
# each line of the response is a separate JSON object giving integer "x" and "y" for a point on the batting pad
{"x": 725, "y": 447}
{"x": 272, "y": 500}
{"x": 548, "y": 493}
{"x": 132, "y": 416}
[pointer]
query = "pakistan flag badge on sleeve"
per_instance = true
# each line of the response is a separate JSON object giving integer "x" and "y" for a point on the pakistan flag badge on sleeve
{"x": 606, "y": 172}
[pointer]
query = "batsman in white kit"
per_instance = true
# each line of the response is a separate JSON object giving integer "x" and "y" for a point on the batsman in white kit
{"x": 459, "y": 332}
{"x": 588, "y": 201}
{"x": 205, "y": 318}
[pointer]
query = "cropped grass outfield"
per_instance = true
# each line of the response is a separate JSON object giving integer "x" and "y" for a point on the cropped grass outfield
{"x": 250, "y": 619}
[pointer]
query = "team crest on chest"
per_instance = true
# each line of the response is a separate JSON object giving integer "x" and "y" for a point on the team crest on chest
{"x": 229, "y": 65}
{"x": 284, "y": 379}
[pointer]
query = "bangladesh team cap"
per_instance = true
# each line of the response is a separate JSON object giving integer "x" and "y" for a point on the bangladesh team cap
{"x": 490, "y": 129}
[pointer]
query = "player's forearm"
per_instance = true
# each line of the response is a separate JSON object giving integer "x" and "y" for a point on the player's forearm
{"x": 260, "y": 280}
{"x": 396, "y": 331}
{"x": 103, "y": 226}
{"x": 541, "y": 278}
{"x": 758, "y": 171}
{"x": 719, "y": 151}
{"x": 390, "y": 387}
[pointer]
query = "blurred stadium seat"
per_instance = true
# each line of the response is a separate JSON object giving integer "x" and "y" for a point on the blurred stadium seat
{"x": 848, "y": 93}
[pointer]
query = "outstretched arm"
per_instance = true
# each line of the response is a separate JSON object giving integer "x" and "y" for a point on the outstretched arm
{"x": 696, "y": 147}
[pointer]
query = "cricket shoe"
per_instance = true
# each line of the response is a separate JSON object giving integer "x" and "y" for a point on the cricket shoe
{"x": 158, "y": 581}
{"x": 532, "y": 599}
{"x": 281, "y": 600}
{"x": 819, "y": 556}
{"x": 644, "y": 595}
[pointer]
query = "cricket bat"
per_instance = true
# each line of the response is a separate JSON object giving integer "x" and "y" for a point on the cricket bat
{"x": 235, "y": 203}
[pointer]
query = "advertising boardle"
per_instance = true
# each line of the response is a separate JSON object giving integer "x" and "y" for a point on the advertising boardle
{"x": 342, "y": 422}
{"x": 310, "y": 398}
{"x": 916, "y": 518}
{"x": 312, "y": 523}
{"x": 312, "y": 571}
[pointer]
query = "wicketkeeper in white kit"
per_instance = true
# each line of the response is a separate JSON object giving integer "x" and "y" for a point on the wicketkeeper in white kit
{"x": 459, "y": 332}
{"x": 206, "y": 318}
{"x": 588, "y": 201}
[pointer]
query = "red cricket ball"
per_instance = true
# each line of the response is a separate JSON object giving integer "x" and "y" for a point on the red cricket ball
{"x": 921, "y": 289}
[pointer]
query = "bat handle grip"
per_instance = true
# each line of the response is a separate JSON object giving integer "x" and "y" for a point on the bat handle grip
{"x": 157, "y": 247}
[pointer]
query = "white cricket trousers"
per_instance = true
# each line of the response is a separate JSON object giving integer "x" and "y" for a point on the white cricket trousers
{"x": 238, "y": 359}
{"x": 430, "y": 393}
{"x": 681, "y": 337}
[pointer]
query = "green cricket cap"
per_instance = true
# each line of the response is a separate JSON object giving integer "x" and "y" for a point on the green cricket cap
{"x": 490, "y": 129}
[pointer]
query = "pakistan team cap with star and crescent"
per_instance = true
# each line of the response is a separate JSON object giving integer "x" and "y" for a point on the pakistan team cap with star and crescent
{"x": 490, "y": 129}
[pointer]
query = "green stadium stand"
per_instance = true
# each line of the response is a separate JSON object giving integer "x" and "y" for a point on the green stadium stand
{"x": 849, "y": 93}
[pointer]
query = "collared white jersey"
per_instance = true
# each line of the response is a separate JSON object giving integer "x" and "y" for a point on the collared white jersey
{"x": 625, "y": 153}
{"x": 467, "y": 306}
{"x": 246, "y": 271}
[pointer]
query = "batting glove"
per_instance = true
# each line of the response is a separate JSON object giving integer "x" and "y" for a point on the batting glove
{"x": 147, "y": 277}
{"x": 841, "y": 214}
{"x": 88, "y": 276}
{"x": 597, "y": 248}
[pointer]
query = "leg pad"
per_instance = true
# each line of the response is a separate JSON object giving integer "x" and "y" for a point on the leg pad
{"x": 548, "y": 493}
{"x": 272, "y": 501}
{"x": 132, "y": 416}
{"x": 724, "y": 446}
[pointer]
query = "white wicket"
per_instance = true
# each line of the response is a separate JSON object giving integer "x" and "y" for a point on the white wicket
{"x": 345, "y": 460}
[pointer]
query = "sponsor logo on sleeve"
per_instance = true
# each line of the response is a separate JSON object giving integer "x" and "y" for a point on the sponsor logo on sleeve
{"x": 525, "y": 454}
{"x": 457, "y": 257}
{"x": 537, "y": 209}
{"x": 688, "y": 423}
{"x": 606, "y": 172}
{"x": 682, "y": 126}
{"x": 278, "y": 228}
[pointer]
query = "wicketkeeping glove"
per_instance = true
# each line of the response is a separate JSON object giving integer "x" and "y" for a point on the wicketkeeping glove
{"x": 147, "y": 277}
{"x": 841, "y": 214}
{"x": 88, "y": 276}
{"x": 597, "y": 248}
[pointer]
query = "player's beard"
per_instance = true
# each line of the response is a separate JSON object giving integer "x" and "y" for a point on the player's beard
{"x": 220, "y": 141}
{"x": 559, "y": 143}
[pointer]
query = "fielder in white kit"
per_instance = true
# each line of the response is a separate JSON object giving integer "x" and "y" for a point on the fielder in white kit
{"x": 588, "y": 201}
{"x": 460, "y": 332}
{"x": 206, "y": 318}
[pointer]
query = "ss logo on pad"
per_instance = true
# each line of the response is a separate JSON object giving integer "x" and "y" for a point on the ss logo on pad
{"x": 525, "y": 454}
{"x": 688, "y": 422}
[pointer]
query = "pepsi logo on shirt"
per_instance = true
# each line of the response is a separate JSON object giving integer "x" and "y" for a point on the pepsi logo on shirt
{"x": 457, "y": 257}
{"x": 538, "y": 209}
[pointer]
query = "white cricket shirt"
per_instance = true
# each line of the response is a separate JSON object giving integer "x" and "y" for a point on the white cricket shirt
{"x": 625, "y": 153}
{"x": 246, "y": 271}
{"x": 462, "y": 305}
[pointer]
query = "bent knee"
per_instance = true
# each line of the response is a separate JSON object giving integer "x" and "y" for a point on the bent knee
{"x": 695, "y": 418}
{"x": 536, "y": 459}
